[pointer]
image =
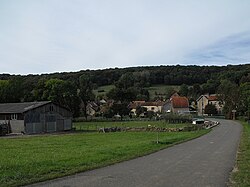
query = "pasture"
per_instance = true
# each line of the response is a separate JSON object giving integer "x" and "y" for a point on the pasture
{"x": 33, "y": 158}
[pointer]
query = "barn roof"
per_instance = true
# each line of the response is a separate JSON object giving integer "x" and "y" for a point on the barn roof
{"x": 179, "y": 102}
{"x": 10, "y": 108}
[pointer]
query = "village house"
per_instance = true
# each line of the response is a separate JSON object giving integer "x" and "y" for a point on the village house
{"x": 204, "y": 100}
{"x": 149, "y": 106}
{"x": 179, "y": 105}
{"x": 35, "y": 117}
{"x": 92, "y": 108}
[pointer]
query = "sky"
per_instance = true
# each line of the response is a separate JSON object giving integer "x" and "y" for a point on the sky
{"x": 45, "y": 36}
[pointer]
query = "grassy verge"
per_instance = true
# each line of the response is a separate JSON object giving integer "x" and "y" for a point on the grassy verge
{"x": 241, "y": 175}
{"x": 160, "y": 89}
{"x": 97, "y": 125}
{"x": 30, "y": 159}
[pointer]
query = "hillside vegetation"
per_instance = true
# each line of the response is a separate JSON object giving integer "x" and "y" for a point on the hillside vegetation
{"x": 123, "y": 85}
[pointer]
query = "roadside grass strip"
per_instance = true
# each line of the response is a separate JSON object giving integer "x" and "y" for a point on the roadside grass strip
{"x": 241, "y": 173}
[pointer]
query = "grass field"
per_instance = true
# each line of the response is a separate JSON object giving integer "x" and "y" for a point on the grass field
{"x": 103, "y": 90}
{"x": 160, "y": 89}
{"x": 241, "y": 176}
{"x": 30, "y": 159}
{"x": 97, "y": 125}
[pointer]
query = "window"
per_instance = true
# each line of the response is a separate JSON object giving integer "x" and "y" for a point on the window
{"x": 51, "y": 108}
{"x": 14, "y": 116}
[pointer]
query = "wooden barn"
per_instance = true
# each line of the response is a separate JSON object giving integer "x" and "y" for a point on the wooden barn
{"x": 35, "y": 117}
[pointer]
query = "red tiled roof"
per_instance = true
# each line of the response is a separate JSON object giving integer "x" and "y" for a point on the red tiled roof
{"x": 135, "y": 104}
{"x": 179, "y": 102}
{"x": 212, "y": 98}
{"x": 159, "y": 103}
{"x": 139, "y": 102}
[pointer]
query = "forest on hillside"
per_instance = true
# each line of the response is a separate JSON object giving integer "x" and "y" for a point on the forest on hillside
{"x": 232, "y": 82}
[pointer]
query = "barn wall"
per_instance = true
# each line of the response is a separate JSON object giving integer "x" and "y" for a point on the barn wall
{"x": 17, "y": 126}
{"x": 48, "y": 118}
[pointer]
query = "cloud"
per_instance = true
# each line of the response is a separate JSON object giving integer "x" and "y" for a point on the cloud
{"x": 233, "y": 49}
{"x": 59, "y": 35}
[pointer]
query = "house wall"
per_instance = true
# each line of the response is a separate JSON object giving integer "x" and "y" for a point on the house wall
{"x": 153, "y": 108}
{"x": 167, "y": 107}
{"x": 201, "y": 105}
{"x": 90, "y": 111}
{"x": 181, "y": 110}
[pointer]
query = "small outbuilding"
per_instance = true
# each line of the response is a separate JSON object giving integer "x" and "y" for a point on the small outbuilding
{"x": 35, "y": 117}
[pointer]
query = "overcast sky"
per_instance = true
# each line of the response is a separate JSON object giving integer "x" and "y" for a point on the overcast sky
{"x": 43, "y": 36}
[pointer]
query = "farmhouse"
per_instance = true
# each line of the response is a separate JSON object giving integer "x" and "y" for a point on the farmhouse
{"x": 35, "y": 117}
{"x": 149, "y": 106}
{"x": 204, "y": 100}
{"x": 179, "y": 105}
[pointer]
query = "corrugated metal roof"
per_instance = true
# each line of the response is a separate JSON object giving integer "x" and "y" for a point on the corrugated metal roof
{"x": 10, "y": 108}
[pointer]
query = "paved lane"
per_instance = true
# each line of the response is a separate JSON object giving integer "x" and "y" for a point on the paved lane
{"x": 205, "y": 161}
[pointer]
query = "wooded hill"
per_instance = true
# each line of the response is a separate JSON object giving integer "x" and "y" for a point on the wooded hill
{"x": 66, "y": 88}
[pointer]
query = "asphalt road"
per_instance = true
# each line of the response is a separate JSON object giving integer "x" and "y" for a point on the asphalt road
{"x": 205, "y": 161}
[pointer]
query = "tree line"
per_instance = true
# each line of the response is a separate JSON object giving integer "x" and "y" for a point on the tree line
{"x": 69, "y": 88}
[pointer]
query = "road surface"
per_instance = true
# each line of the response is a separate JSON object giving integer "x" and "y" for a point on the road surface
{"x": 205, "y": 161}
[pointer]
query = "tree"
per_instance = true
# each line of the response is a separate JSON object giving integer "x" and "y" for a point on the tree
{"x": 70, "y": 98}
{"x": 210, "y": 109}
{"x": 4, "y": 85}
{"x": 183, "y": 90}
{"x": 39, "y": 89}
{"x": 53, "y": 90}
{"x": 150, "y": 114}
{"x": 245, "y": 99}
{"x": 140, "y": 110}
{"x": 11, "y": 90}
{"x": 121, "y": 109}
{"x": 86, "y": 92}
{"x": 63, "y": 93}
{"x": 141, "y": 79}
{"x": 229, "y": 95}
{"x": 210, "y": 86}
{"x": 126, "y": 81}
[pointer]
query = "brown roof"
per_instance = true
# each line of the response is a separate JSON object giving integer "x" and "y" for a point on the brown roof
{"x": 212, "y": 98}
{"x": 179, "y": 102}
{"x": 159, "y": 103}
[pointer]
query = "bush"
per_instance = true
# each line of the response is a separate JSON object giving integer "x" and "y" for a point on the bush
{"x": 175, "y": 118}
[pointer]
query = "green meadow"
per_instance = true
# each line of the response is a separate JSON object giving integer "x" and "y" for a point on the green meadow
{"x": 34, "y": 158}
